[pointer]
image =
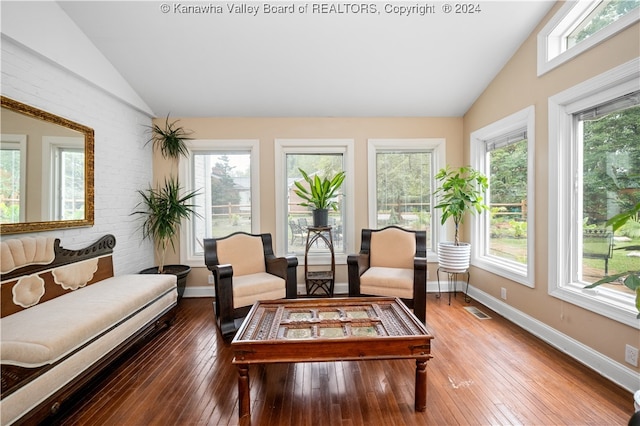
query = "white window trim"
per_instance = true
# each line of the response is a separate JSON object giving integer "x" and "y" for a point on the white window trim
{"x": 19, "y": 142}
{"x": 550, "y": 37}
{"x": 315, "y": 146}
{"x": 187, "y": 256}
{"x": 523, "y": 274}
{"x": 50, "y": 144}
{"x": 562, "y": 164}
{"x": 438, "y": 146}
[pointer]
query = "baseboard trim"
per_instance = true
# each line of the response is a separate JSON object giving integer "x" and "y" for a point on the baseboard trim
{"x": 603, "y": 365}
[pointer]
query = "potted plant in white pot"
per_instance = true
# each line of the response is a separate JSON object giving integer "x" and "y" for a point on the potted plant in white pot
{"x": 461, "y": 191}
{"x": 163, "y": 208}
{"x": 320, "y": 196}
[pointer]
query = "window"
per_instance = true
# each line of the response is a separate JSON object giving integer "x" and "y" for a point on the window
{"x": 225, "y": 173}
{"x": 578, "y": 26}
{"x": 595, "y": 125}
{"x": 324, "y": 157}
{"x": 12, "y": 178}
{"x": 503, "y": 151}
{"x": 69, "y": 184}
{"x": 63, "y": 173}
{"x": 401, "y": 179}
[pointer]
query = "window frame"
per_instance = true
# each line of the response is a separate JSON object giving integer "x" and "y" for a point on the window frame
{"x": 186, "y": 166}
{"x": 19, "y": 143}
{"x": 51, "y": 145}
{"x": 437, "y": 147}
{"x": 480, "y": 223}
{"x": 315, "y": 146}
{"x": 551, "y": 37}
{"x": 562, "y": 244}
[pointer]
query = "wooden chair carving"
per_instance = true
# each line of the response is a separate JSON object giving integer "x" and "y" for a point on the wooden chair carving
{"x": 392, "y": 262}
{"x": 245, "y": 270}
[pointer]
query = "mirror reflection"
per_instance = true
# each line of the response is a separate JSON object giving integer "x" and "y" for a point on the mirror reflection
{"x": 46, "y": 170}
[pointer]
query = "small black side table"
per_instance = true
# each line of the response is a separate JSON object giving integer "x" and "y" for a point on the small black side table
{"x": 319, "y": 283}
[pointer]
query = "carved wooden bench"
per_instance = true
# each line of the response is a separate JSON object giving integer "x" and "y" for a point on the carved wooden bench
{"x": 65, "y": 317}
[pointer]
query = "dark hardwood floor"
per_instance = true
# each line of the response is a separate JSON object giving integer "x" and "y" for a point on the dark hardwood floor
{"x": 484, "y": 372}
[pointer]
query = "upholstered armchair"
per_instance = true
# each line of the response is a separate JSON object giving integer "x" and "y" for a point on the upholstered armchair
{"x": 392, "y": 262}
{"x": 245, "y": 270}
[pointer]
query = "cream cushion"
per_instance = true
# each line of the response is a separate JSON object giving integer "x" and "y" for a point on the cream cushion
{"x": 391, "y": 259}
{"x": 49, "y": 331}
{"x": 248, "y": 289}
{"x": 392, "y": 248}
{"x": 243, "y": 252}
{"x": 381, "y": 281}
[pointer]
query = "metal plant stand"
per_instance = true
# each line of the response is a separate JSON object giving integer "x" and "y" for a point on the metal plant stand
{"x": 452, "y": 279}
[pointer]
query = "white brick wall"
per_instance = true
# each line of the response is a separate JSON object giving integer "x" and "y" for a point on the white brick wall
{"x": 123, "y": 164}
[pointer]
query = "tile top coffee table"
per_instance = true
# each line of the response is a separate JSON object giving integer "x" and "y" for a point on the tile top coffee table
{"x": 336, "y": 329}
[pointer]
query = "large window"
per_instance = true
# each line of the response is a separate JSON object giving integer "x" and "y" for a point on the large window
{"x": 503, "y": 151}
{"x": 596, "y": 128}
{"x": 322, "y": 157}
{"x": 224, "y": 172}
{"x": 580, "y": 25}
{"x": 401, "y": 179}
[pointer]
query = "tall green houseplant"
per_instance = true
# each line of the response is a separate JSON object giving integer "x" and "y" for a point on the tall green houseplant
{"x": 163, "y": 208}
{"x": 461, "y": 190}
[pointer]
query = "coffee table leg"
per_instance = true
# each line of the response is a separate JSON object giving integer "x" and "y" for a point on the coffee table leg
{"x": 421, "y": 385}
{"x": 243, "y": 390}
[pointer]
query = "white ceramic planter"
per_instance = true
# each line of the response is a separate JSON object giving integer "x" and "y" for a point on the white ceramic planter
{"x": 453, "y": 258}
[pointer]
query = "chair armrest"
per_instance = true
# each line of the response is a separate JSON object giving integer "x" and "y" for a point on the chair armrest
{"x": 285, "y": 268}
{"x": 357, "y": 264}
{"x": 420, "y": 287}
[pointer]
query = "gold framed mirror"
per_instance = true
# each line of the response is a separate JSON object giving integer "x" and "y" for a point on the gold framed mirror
{"x": 46, "y": 170}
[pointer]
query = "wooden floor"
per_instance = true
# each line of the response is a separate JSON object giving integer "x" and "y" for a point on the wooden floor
{"x": 484, "y": 372}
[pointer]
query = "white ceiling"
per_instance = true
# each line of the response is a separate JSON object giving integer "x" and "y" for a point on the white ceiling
{"x": 306, "y": 64}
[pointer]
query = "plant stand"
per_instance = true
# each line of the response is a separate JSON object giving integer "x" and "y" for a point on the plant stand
{"x": 319, "y": 283}
{"x": 452, "y": 279}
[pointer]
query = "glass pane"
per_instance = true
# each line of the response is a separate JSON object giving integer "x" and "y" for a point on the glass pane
{"x": 224, "y": 202}
{"x": 403, "y": 195}
{"x": 9, "y": 185}
{"x": 299, "y": 218}
{"x": 610, "y": 184}
{"x": 604, "y": 14}
{"x": 508, "y": 202}
{"x": 72, "y": 184}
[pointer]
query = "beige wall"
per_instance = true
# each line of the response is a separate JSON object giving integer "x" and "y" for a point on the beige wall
{"x": 267, "y": 130}
{"x": 516, "y": 87}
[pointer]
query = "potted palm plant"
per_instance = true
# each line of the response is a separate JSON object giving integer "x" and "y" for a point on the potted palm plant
{"x": 461, "y": 190}
{"x": 321, "y": 195}
{"x": 163, "y": 208}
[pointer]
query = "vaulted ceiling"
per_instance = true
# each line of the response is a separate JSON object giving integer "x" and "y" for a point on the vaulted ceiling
{"x": 330, "y": 59}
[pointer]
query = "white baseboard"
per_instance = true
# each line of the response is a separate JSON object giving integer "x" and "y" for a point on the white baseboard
{"x": 603, "y": 365}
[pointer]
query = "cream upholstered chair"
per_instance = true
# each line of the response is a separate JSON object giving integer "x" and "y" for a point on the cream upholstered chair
{"x": 245, "y": 270}
{"x": 392, "y": 262}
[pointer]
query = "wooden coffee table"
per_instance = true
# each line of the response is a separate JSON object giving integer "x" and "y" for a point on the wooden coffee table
{"x": 336, "y": 329}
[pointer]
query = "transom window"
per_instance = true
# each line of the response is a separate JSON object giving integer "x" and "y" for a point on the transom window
{"x": 580, "y": 25}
